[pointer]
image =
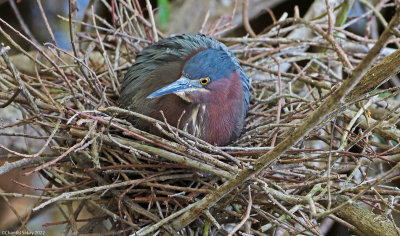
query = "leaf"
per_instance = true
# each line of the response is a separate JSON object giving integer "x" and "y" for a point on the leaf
{"x": 163, "y": 12}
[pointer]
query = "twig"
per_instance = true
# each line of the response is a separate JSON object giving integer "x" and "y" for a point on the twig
{"x": 42, "y": 12}
{"x": 245, "y": 19}
{"x": 153, "y": 22}
{"x": 22, "y": 22}
{"x": 245, "y": 216}
{"x": 12, "y": 98}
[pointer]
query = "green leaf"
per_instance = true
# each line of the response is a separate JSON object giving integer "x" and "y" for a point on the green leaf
{"x": 163, "y": 12}
{"x": 344, "y": 12}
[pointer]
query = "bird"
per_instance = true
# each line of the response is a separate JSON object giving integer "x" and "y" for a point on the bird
{"x": 195, "y": 81}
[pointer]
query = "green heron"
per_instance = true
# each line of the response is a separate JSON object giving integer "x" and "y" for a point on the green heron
{"x": 197, "y": 83}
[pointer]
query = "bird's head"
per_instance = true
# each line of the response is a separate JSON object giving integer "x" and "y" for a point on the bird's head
{"x": 204, "y": 75}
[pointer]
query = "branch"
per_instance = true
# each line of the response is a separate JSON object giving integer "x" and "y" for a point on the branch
{"x": 379, "y": 74}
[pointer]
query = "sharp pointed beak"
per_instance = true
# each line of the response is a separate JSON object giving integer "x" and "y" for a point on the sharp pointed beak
{"x": 181, "y": 84}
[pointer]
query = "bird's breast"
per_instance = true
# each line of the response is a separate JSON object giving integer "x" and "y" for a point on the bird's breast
{"x": 195, "y": 120}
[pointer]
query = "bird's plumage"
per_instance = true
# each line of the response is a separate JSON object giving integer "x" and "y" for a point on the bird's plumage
{"x": 193, "y": 56}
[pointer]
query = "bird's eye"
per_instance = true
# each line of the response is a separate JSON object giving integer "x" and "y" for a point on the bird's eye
{"x": 204, "y": 81}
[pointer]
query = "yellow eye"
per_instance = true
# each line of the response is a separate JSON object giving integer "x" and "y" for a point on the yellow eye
{"x": 204, "y": 81}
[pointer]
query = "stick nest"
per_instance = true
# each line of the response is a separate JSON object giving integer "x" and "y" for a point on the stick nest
{"x": 131, "y": 181}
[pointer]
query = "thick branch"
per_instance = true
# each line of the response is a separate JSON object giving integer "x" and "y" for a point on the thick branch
{"x": 378, "y": 75}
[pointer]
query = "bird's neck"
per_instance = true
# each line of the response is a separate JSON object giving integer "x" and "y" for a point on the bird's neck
{"x": 219, "y": 118}
{"x": 216, "y": 117}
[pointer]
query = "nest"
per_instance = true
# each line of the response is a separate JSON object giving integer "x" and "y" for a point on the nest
{"x": 321, "y": 142}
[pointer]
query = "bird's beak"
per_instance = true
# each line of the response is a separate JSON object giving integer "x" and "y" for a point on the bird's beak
{"x": 181, "y": 84}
